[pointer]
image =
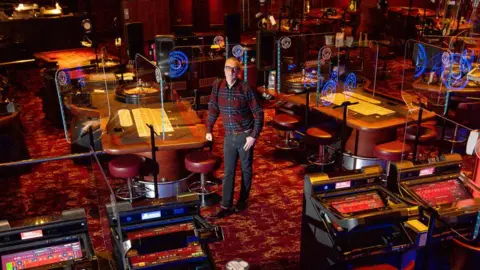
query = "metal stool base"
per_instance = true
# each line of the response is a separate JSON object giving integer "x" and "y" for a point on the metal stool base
{"x": 283, "y": 145}
{"x": 204, "y": 189}
{"x": 208, "y": 188}
{"x": 124, "y": 194}
{"x": 316, "y": 160}
{"x": 132, "y": 191}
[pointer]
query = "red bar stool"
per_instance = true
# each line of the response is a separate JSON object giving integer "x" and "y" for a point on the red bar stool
{"x": 202, "y": 162}
{"x": 287, "y": 123}
{"x": 391, "y": 152}
{"x": 428, "y": 134}
{"x": 321, "y": 138}
{"x": 128, "y": 167}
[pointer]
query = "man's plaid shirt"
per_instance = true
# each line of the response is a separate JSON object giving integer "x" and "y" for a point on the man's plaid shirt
{"x": 238, "y": 107}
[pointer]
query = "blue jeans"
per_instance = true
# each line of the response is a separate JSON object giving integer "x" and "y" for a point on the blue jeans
{"x": 232, "y": 150}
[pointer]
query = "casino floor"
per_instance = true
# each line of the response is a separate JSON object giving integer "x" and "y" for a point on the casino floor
{"x": 400, "y": 191}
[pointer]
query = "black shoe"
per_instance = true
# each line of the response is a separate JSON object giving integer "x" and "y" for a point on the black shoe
{"x": 241, "y": 205}
{"x": 223, "y": 212}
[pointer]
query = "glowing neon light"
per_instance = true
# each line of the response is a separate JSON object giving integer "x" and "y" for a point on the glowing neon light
{"x": 82, "y": 82}
{"x": 421, "y": 63}
{"x": 350, "y": 84}
{"x": 237, "y": 51}
{"x": 286, "y": 42}
{"x": 334, "y": 74}
{"x": 178, "y": 64}
{"x": 326, "y": 53}
{"x": 457, "y": 80}
{"x": 446, "y": 58}
{"x": 328, "y": 92}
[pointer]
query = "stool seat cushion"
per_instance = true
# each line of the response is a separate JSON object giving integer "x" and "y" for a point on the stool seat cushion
{"x": 319, "y": 136}
{"x": 125, "y": 166}
{"x": 286, "y": 122}
{"x": 391, "y": 151}
{"x": 201, "y": 161}
{"x": 427, "y": 133}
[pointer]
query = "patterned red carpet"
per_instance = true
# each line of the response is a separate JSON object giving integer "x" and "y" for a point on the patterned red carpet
{"x": 267, "y": 234}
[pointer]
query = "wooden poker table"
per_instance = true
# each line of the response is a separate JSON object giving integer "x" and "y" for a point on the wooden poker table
{"x": 74, "y": 58}
{"x": 188, "y": 133}
{"x": 434, "y": 91}
{"x": 414, "y": 11}
{"x": 367, "y": 130}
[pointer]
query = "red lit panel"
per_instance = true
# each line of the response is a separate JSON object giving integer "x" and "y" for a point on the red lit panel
{"x": 167, "y": 256}
{"x": 160, "y": 231}
{"x": 357, "y": 203}
{"x": 443, "y": 192}
{"x": 42, "y": 256}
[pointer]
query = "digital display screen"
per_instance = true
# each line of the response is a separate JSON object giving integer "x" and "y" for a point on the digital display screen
{"x": 427, "y": 171}
{"x": 42, "y": 256}
{"x": 150, "y": 215}
{"x": 32, "y": 234}
{"x": 443, "y": 192}
{"x": 342, "y": 184}
{"x": 357, "y": 203}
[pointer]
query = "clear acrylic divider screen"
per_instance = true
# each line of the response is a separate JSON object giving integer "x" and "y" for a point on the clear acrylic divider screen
{"x": 425, "y": 141}
{"x": 127, "y": 109}
{"x": 431, "y": 76}
{"x": 335, "y": 69}
{"x": 297, "y": 63}
{"x": 193, "y": 70}
{"x": 82, "y": 94}
{"x": 435, "y": 74}
{"x": 76, "y": 89}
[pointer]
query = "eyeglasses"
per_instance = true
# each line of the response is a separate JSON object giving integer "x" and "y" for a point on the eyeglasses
{"x": 230, "y": 69}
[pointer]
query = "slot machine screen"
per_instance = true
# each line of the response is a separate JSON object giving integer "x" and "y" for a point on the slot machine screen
{"x": 42, "y": 256}
{"x": 357, "y": 203}
{"x": 427, "y": 171}
{"x": 443, "y": 192}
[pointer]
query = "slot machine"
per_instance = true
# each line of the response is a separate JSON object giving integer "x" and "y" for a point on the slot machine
{"x": 165, "y": 234}
{"x": 50, "y": 242}
{"x": 351, "y": 219}
{"x": 444, "y": 197}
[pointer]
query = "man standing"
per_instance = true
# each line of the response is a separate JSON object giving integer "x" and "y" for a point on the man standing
{"x": 242, "y": 118}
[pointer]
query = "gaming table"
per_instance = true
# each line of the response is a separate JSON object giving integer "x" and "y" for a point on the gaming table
{"x": 471, "y": 89}
{"x": 187, "y": 132}
{"x": 72, "y": 58}
{"x": 370, "y": 129}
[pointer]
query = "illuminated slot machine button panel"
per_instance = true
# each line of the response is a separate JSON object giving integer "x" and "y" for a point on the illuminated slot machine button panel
{"x": 185, "y": 227}
{"x": 193, "y": 252}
